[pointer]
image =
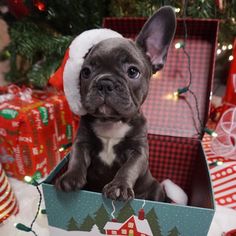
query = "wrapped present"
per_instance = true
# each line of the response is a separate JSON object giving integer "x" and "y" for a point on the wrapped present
{"x": 223, "y": 173}
{"x": 34, "y": 125}
{"x": 175, "y": 149}
{"x": 8, "y": 203}
{"x": 221, "y": 154}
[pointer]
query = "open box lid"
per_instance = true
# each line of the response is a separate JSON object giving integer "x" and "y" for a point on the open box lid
{"x": 167, "y": 114}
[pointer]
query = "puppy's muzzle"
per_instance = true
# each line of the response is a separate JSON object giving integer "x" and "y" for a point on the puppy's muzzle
{"x": 105, "y": 86}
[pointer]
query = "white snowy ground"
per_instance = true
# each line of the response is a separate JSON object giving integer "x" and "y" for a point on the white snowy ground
{"x": 224, "y": 220}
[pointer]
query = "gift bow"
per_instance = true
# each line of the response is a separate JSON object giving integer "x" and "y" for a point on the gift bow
{"x": 13, "y": 91}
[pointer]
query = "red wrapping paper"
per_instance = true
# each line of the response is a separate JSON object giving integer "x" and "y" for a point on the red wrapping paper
{"x": 33, "y": 128}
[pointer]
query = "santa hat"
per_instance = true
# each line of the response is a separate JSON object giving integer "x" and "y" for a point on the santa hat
{"x": 67, "y": 75}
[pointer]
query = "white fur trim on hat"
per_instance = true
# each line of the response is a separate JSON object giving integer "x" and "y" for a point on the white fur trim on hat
{"x": 77, "y": 51}
{"x": 174, "y": 192}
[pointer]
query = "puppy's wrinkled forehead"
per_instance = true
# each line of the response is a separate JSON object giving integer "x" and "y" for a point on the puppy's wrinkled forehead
{"x": 118, "y": 50}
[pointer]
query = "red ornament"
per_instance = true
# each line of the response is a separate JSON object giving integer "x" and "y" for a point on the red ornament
{"x": 40, "y": 5}
{"x": 230, "y": 233}
{"x": 216, "y": 112}
{"x": 17, "y": 8}
{"x": 230, "y": 95}
{"x": 220, "y": 4}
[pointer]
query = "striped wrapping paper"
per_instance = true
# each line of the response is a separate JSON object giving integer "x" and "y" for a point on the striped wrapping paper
{"x": 223, "y": 176}
{"x": 8, "y": 203}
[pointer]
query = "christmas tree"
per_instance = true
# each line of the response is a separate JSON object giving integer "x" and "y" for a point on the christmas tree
{"x": 174, "y": 232}
{"x": 125, "y": 212}
{"x": 101, "y": 217}
{"x": 87, "y": 224}
{"x": 41, "y": 30}
{"x": 72, "y": 225}
{"x": 153, "y": 222}
{"x": 95, "y": 230}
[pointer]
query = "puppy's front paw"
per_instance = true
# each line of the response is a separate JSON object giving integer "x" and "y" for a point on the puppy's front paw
{"x": 118, "y": 191}
{"x": 70, "y": 181}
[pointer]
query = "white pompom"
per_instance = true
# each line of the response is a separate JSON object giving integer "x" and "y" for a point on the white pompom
{"x": 174, "y": 192}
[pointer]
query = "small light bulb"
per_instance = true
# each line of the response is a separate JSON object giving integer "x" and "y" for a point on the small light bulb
{"x": 231, "y": 57}
{"x": 219, "y": 163}
{"x": 176, "y": 94}
{"x": 218, "y": 51}
{"x": 156, "y": 75}
{"x": 178, "y": 45}
{"x": 27, "y": 179}
{"x": 22, "y": 227}
{"x": 230, "y": 46}
{"x": 224, "y": 47}
{"x": 210, "y": 132}
{"x": 177, "y": 10}
{"x": 214, "y": 134}
{"x": 43, "y": 211}
{"x": 211, "y": 94}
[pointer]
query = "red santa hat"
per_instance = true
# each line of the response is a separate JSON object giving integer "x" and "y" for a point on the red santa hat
{"x": 67, "y": 75}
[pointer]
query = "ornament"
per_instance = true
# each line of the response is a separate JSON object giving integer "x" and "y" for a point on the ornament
{"x": 230, "y": 233}
{"x": 40, "y": 5}
{"x": 18, "y": 8}
{"x": 215, "y": 113}
{"x": 220, "y": 4}
{"x": 225, "y": 143}
{"x": 8, "y": 203}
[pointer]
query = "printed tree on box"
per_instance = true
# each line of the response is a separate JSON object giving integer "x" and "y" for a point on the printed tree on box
{"x": 154, "y": 222}
{"x": 72, "y": 225}
{"x": 95, "y": 229}
{"x": 87, "y": 224}
{"x": 101, "y": 218}
{"x": 174, "y": 232}
{"x": 125, "y": 213}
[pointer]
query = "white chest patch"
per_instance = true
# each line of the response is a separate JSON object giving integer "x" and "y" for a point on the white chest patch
{"x": 110, "y": 133}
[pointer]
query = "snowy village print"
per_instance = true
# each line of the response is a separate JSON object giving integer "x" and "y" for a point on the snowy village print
{"x": 89, "y": 213}
{"x": 127, "y": 223}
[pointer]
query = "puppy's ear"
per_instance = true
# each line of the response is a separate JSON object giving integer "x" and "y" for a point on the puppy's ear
{"x": 156, "y": 35}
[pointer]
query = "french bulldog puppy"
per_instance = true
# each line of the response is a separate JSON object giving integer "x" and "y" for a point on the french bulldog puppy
{"x": 110, "y": 152}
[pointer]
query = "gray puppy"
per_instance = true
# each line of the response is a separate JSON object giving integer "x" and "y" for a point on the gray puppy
{"x": 110, "y": 152}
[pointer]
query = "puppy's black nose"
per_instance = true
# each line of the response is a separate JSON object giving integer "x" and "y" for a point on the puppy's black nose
{"x": 105, "y": 86}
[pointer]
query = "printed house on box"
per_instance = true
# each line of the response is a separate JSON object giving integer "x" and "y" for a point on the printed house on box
{"x": 176, "y": 152}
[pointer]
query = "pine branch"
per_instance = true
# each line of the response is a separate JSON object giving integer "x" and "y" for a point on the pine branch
{"x": 41, "y": 49}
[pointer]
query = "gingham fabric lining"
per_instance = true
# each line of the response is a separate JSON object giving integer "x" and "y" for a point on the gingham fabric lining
{"x": 165, "y": 115}
{"x": 173, "y": 158}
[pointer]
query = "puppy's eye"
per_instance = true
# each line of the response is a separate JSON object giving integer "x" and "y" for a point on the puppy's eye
{"x": 133, "y": 72}
{"x": 85, "y": 73}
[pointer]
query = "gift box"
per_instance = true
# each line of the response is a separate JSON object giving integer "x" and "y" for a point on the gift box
{"x": 221, "y": 154}
{"x": 176, "y": 152}
{"x": 223, "y": 172}
{"x": 34, "y": 125}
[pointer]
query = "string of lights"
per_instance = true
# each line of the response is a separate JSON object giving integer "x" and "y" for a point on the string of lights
{"x": 187, "y": 88}
{"x": 22, "y": 227}
{"x": 33, "y": 181}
